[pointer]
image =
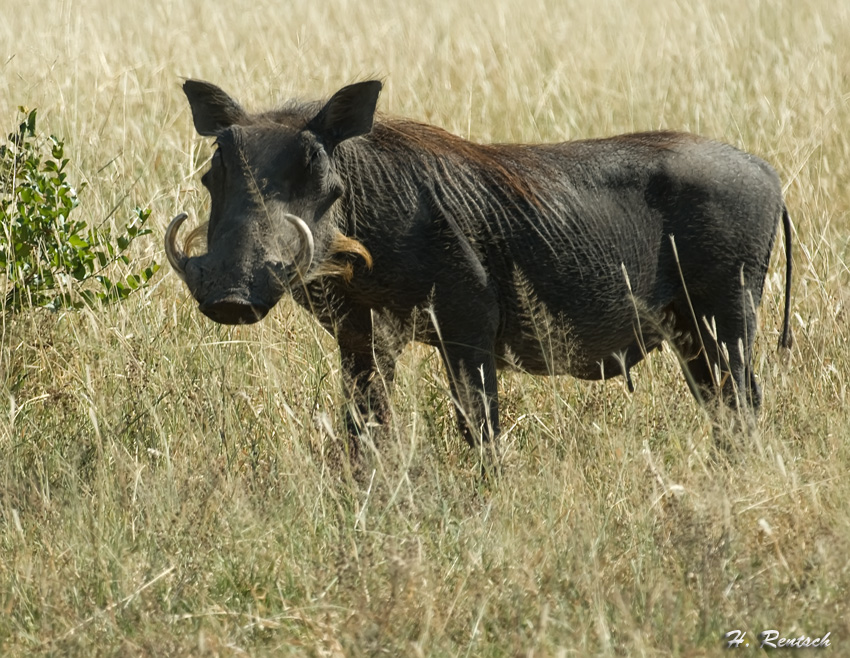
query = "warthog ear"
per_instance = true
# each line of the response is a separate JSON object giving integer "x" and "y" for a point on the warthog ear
{"x": 212, "y": 109}
{"x": 349, "y": 113}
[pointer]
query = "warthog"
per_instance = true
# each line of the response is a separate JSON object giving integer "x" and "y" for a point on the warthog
{"x": 580, "y": 257}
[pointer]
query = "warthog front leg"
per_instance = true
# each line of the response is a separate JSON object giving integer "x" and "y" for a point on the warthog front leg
{"x": 368, "y": 385}
{"x": 472, "y": 374}
{"x": 465, "y": 318}
{"x": 369, "y": 354}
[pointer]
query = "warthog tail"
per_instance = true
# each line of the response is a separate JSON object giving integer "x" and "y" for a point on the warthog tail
{"x": 787, "y": 339}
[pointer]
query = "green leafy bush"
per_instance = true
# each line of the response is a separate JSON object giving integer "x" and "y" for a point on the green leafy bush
{"x": 47, "y": 258}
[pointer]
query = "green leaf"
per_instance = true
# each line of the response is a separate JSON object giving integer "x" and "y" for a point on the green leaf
{"x": 149, "y": 272}
{"x": 77, "y": 242}
{"x": 80, "y": 272}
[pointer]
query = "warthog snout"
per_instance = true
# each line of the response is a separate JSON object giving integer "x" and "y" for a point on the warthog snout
{"x": 234, "y": 309}
{"x": 232, "y": 289}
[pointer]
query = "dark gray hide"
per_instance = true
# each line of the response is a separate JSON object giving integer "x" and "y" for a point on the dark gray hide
{"x": 576, "y": 258}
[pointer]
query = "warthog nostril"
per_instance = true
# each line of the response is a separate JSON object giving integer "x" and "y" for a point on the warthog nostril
{"x": 234, "y": 310}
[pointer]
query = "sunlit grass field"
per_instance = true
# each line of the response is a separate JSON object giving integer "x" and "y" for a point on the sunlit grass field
{"x": 165, "y": 485}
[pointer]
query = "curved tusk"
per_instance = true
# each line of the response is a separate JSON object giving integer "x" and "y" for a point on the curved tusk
{"x": 305, "y": 255}
{"x": 175, "y": 254}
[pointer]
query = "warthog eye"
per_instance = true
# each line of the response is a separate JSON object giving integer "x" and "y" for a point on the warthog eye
{"x": 316, "y": 160}
{"x": 216, "y": 168}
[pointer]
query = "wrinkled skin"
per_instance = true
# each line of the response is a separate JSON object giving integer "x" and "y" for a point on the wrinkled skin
{"x": 576, "y": 258}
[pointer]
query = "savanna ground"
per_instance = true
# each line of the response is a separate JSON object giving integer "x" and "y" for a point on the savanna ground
{"x": 163, "y": 489}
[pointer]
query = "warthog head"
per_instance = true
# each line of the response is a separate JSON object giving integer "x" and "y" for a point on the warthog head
{"x": 272, "y": 183}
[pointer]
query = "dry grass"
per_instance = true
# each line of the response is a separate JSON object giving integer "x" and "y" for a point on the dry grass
{"x": 162, "y": 486}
